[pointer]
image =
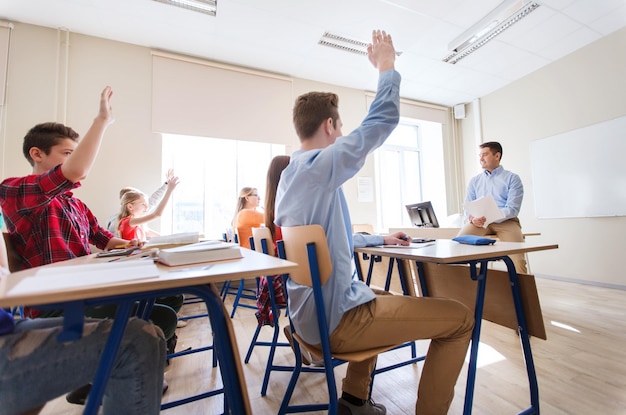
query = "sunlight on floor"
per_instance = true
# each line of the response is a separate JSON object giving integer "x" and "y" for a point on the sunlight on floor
{"x": 564, "y": 326}
{"x": 486, "y": 355}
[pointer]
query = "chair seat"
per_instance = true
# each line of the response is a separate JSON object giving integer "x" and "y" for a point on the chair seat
{"x": 358, "y": 356}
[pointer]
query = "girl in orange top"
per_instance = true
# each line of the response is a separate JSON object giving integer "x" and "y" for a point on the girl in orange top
{"x": 246, "y": 216}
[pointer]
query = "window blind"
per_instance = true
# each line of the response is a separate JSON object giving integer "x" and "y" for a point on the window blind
{"x": 418, "y": 111}
{"x": 201, "y": 98}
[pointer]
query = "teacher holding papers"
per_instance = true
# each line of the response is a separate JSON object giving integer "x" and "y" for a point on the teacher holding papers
{"x": 506, "y": 190}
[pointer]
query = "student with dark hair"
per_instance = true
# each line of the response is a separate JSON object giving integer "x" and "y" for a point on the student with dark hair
{"x": 47, "y": 224}
{"x": 310, "y": 192}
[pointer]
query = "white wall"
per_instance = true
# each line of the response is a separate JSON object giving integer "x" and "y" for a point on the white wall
{"x": 581, "y": 89}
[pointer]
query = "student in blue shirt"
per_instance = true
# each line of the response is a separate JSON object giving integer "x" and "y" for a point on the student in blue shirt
{"x": 507, "y": 190}
{"x": 309, "y": 192}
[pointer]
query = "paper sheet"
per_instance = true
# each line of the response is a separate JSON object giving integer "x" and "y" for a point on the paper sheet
{"x": 79, "y": 276}
{"x": 484, "y": 206}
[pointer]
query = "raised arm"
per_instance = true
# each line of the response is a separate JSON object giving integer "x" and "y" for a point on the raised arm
{"x": 157, "y": 195}
{"x": 381, "y": 51}
{"x": 158, "y": 211}
{"x": 79, "y": 163}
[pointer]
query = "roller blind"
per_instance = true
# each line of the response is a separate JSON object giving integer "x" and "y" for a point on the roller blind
{"x": 201, "y": 98}
{"x": 418, "y": 111}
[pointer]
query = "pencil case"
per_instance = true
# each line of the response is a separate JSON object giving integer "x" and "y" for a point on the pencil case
{"x": 474, "y": 240}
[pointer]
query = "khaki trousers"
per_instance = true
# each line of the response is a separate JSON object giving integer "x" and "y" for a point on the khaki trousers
{"x": 507, "y": 231}
{"x": 395, "y": 319}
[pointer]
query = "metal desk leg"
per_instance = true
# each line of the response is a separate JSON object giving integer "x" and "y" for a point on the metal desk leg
{"x": 389, "y": 273}
{"x": 403, "y": 280}
{"x": 108, "y": 358}
{"x": 229, "y": 362}
{"x": 524, "y": 339}
{"x": 357, "y": 266}
{"x": 478, "y": 318}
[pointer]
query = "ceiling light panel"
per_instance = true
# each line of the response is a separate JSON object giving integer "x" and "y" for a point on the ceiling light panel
{"x": 345, "y": 44}
{"x": 202, "y": 6}
{"x": 497, "y": 21}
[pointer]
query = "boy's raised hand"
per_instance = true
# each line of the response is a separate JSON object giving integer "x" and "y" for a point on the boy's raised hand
{"x": 106, "y": 111}
{"x": 381, "y": 51}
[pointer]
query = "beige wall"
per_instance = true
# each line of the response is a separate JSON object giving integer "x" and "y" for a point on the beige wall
{"x": 48, "y": 82}
{"x": 584, "y": 88}
{"x": 130, "y": 154}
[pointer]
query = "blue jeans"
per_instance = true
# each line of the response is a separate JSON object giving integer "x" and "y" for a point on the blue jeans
{"x": 35, "y": 368}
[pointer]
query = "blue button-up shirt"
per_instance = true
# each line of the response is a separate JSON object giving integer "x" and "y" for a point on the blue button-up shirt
{"x": 505, "y": 187}
{"x": 309, "y": 192}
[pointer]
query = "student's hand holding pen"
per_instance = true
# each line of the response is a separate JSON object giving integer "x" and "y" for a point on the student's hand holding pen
{"x": 398, "y": 238}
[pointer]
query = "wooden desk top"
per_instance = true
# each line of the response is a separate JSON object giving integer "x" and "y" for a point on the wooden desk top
{"x": 446, "y": 251}
{"x": 253, "y": 264}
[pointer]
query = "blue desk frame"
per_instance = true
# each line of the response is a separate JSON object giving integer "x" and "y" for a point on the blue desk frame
{"x": 218, "y": 317}
{"x": 479, "y": 274}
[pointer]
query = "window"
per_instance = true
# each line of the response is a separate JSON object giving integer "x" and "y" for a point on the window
{"x": 410, "y": 169}
{"x": 212, "y": 172}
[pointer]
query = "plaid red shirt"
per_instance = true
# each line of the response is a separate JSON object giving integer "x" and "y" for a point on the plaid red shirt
{"x": 46, "y": 222}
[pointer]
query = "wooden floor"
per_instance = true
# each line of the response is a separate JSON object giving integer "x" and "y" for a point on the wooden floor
{"x": 581, "y": 368}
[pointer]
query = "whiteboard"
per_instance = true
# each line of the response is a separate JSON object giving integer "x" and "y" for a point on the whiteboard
{"x": 581, "y": 173}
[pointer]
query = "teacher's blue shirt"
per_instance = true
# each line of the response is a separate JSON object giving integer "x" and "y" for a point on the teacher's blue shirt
{"x": 505, "y": 187}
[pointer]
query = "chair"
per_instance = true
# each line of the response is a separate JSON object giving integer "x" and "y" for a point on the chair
{"x": 363, "y": 227}
{"x": 307, "y": 246}
{"x": 240, "y": 293}
{"x": 13, "y": 258}
{"x": 261, "y": 241}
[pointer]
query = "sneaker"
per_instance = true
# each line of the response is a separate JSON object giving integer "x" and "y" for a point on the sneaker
{"x": 370, "y": 408}
{"x": 79, "y": 396}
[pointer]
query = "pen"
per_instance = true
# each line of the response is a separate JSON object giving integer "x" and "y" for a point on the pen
{"x": 122, "y": 246}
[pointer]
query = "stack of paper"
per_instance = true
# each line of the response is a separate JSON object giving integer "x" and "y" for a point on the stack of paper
{"x": 484, "y": 206}
{"x": 169, "y": 241}
{"x": 199, "y": 252}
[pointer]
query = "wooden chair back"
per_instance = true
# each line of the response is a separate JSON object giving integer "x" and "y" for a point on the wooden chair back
{"x": 4, "y": 259}
{"x": 258, "y": 234}
{"x": 363, "y": 227}
{"x": 295, "y": 240}
{"x": 12, "y": 258}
